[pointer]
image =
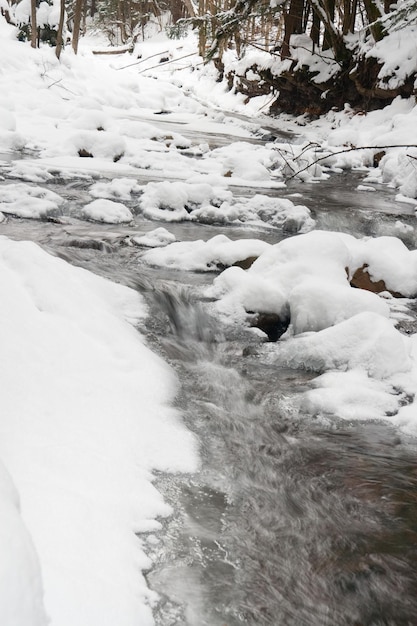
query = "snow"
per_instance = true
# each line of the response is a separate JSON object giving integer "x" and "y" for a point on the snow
{"x": 215, "y": 204}
{"x": 21, "y": 598}
{"x": 367, "y": 341}
{"x": 205, "y": 255}
{"x": 155, "y": 238}
{"x": 313, "y": 270}
{"x": 86, "y": 407}
{"x": 85, "y": 419}
{"x": 117, "y": 189}
{"x": 348, "y": 335}
{"x": 28, "y": 201}
{"x": 315, "y": 306}
{"x": 107, "y": 211}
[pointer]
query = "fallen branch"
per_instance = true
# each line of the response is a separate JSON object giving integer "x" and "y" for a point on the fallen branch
{"x": 114, "y": 50}
{"x": 168, "y": 62}
{"x": 326, "y": 156}
{"x": 143, "y": 60}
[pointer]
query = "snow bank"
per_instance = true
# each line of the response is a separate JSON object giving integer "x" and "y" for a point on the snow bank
{"x": 84, "y": 421}
{"x": 21, "y": 598}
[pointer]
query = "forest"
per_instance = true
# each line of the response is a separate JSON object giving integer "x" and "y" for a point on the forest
{"x": 310, "y": 55}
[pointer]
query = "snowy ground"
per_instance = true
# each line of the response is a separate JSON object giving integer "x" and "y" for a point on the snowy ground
{"x": 84, "y": 403}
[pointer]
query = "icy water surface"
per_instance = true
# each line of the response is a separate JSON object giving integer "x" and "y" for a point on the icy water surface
{"x": 290, "y": 522}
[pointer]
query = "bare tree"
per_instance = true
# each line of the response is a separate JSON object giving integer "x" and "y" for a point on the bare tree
{"x": 77, "y": 24}
{"x": 293, "y": 21}
{"x": 59, "y": 36}
{"x": 34, "y": 24}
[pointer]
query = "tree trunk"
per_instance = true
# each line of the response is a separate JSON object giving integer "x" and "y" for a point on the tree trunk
{"x": 373, "y": 13}
{"x": 59, "y": 36}
{"x": 77, "y": 24}
{"x": 202, "y": 29}
{"x": 315, "y": 28}
{"x": 329, "y": 7}
{"x": 33, "y": 24}
{"x": 293, "y": 24}
{"x": 333, "y": 36}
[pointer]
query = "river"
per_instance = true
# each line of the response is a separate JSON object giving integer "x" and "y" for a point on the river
{"x": 290, "y": 521}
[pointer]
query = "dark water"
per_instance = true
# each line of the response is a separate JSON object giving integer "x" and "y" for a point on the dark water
{"x": 290, "y": 521}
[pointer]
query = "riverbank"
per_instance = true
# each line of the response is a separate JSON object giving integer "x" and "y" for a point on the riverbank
{"x": 119, "y": 160}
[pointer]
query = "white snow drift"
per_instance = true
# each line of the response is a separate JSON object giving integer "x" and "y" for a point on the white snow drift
{"x": 84, "y": 421}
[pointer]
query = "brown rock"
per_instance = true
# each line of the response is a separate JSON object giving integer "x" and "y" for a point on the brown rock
{"x": 245, "y": 264}
{"x": 84, "y": 153}
{"x": 361, "y": 279}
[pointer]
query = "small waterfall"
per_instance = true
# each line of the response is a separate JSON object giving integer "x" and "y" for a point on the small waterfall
{"x": 288, "y": 522}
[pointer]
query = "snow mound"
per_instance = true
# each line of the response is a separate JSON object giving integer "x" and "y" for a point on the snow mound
{"x": 204, "y": 256}
{"x": 29, "y": 201}
{"x": 176, "y": 201}
{"x": 155, "y": 238}
{"x": 367, "y": 341}
{"x": 346, "y": 334}
{"x": 116, "y": 189}
{"x": 107, "y": 211}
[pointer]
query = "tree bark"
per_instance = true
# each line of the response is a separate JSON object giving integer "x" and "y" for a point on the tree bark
{"x": 59, "y": 36}
{"x": 349, "y": 16}
{"x": 333, "y": 37}
{"x": 315, "y": 27}
{"x": 33, "y": 24}
{"x": 77, "y": 25}
{"x": 329, "y": 7}
{"x": 293, "y": 24}
{"x": 373, "y": 13}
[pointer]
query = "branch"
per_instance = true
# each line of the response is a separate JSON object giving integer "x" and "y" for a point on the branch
{"x": 326, "y": 156}
{"x": 168, "y": 62}
{"x": 142, "y": 60}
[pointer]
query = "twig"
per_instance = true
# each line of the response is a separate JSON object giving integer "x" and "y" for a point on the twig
{"x": 185, "y": 67}
{"x": 267, "y": 103}
{"x": 142, "y": 60}
{"x": 54, "y": 83}
{"x": 326, "y": 156}
{"x": 168, "y": 62}
{"x": 254, "y": 45}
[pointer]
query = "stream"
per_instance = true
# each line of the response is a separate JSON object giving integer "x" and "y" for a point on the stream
{"x": 290, "y": 521}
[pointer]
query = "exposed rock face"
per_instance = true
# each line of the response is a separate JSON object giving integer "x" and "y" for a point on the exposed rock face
{"x": 361, "y": 279}
{"x": 270, "y": 323}
{"x": 245, "y": 264}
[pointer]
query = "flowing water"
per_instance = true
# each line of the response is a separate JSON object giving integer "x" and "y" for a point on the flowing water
{"x": 290, "y": 521}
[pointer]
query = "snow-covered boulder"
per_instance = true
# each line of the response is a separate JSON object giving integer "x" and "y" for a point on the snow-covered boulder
{"x": 107, "y": 211}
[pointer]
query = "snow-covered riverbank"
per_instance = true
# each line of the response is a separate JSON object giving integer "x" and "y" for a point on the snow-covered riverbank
{"x": 84, "y": 403}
